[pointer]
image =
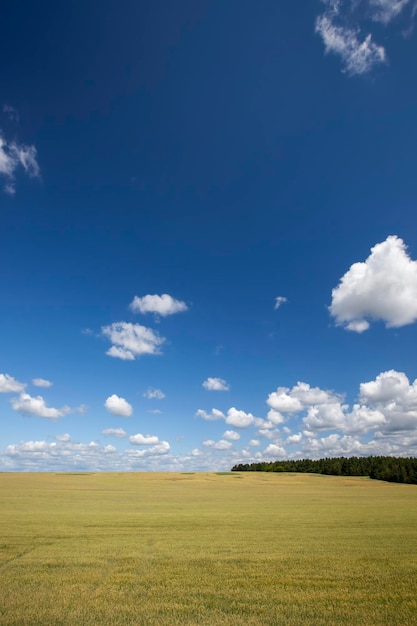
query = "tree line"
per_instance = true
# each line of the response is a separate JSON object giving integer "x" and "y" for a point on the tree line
{"x": 389, "y": 468}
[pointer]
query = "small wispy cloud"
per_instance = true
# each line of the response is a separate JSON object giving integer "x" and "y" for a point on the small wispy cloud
{"x": 119, "y": 433}
{"x": 153, "y": 394}
{"x": 341, "y": 29}
{"x": 279, "y": 300}
{"x": 15, "y": 156}
{"x": 41, "y": 382}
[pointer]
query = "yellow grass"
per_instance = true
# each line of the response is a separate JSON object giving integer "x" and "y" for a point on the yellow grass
{"x": 247, "y": 549}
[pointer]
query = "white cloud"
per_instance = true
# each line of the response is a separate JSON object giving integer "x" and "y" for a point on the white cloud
{"x": 275, "y": 417}
{"x": 131, "y": 340}
{"x": 216, "y": 384}
{"x": 239, "y": 419}
{"x": 281, "y": 401}
{"x": 161, "y": 305}
{"x": 8, "y": 384}
{"x": 392, "y": 395}
{"x": 279, "y": 300}
{"x": 114, "y": 432}
{"x": 234, "y": 417}
{"x": 159, "y": 449}
{"x": 214, "y": 415}
{"x": 36, "y": 406}
{"x": 14, "y": 156}
{"x": 274, "y": 450}
{"x": 386, "y": 10}
{"x": 152, "y": 393}
{"x": 60, "y": 455}
{"x": 254, "y": 442}
{"x": 358, "y": 56}
{"x": 384, "y": 287}
{"x": 386, "y": 387}
{"x": 232, "y": 435}
{"x": 41, "y": 382}
{"x": 65, "y": 437}
{"x": 118, "y": 406}
{"x": 293, "y": 439}
{"x": 218, "y": 445}
{"x": 144, "y": 440}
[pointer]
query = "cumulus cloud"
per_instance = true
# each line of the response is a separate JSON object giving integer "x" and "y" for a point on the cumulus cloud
{"x": 218, "y": 445}
{"x": 160, "y": 448}
{"x": 143, "y": 440}
{"x": 233, "y": 417}
{"x": 114, "y": 432}
{"x": 239, "y": 419}
{"x": 131, "y": 340}
{"x": 274, "y": 450}
{"x": 41, "y": 382}
{"x": 8, "y": 384}
{"x": 383, "y": 287}
{"x": 214, "y": 415}
{"x": 154, "y": 394}
{"x": 232, "y": 435}
{"x": 60, "y": 455}
{"x": 392, "y": 395}
{"x": 31, "y": 406}
{"x": 118, "y": 406}
{"x": 216, "y": 384}
{"x": 279, "y": 300}
{"x": 160, "y": 305}
{"x": 15, "y": 156}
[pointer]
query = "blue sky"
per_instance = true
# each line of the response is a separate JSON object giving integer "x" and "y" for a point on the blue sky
{"x": 208, "y": 233}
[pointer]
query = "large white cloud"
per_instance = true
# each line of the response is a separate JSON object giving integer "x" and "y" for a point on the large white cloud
{"x": 30, "y": 406}
{"x": 8, "y": 384}
{"x": 118, "y": 406}
{"x": 131, "y": 340}
{"x": 160, "y": 305}
{"x": 384, "y": 287}
{"x": 392, "y": 395}
{"x": 14, "y": 156}
{"x": 216, "y": 384}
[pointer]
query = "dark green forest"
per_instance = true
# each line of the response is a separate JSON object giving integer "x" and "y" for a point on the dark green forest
{"x": 389, "y": 468}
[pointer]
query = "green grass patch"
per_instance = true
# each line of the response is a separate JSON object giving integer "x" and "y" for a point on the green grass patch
{"x": 194, "y": 549}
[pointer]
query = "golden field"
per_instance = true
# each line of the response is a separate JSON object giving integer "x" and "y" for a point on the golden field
{"x": 247, "y": 549}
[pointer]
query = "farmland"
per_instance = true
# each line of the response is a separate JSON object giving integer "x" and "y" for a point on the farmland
{"x": 253, "y": 549}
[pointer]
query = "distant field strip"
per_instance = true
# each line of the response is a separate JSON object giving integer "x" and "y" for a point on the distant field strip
{"x": 247, "y": 549}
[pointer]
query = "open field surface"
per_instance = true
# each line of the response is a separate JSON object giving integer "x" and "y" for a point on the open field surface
{"x": 250, "y": 549}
